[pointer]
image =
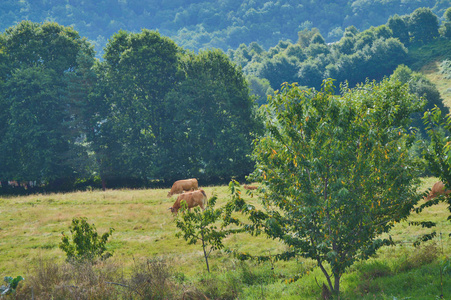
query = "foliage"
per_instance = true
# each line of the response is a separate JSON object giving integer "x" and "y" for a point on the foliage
{"x": 211, "y": 121}
{"x": 208, "y": 24}
{"x": 39, "y": 120}
{"x": 423, "y": 25}
{"x": 200, "y": 226}
{"x": 336, "y": 171}
{"x": 420, "y": 86}
{"x": 84, "y": 243}
{"x": 129, "y": 113}
{"x": 438, "y": 128}
{"x": 11, "y": 285}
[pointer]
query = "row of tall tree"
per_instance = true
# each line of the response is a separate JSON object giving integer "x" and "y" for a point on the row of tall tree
{"x": 149, "y": 110}
{"x": 204, "y": 24}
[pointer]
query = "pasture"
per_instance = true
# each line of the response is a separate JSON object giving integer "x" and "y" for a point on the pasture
{"x": 31, "y": 227}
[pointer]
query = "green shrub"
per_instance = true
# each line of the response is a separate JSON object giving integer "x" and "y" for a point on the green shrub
{"x": 85, "y": 243}
{"x": 445, "y": 68}
{"x": 420, "y": 256}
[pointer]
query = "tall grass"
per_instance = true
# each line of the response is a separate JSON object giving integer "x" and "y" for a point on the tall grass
{"x": 147, "y": 255}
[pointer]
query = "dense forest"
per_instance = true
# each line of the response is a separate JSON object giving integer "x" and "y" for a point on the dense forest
{"x": 152, "y": 111}
{"x": 223, "y": 24}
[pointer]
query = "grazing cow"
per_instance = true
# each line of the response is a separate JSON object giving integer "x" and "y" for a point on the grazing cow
{"x": 192, "y": 199}
{"x": 437, "y": 189}
{"x": 250, "y": 187}
{"x": 183, "y": 185}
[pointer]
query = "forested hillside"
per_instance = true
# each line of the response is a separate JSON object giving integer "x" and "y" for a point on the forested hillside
{"x": 357, "y": 56}
{"x": 221, "y": 24}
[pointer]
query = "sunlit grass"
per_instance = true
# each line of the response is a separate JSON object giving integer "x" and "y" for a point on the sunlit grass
{"x": 31, "y": 226}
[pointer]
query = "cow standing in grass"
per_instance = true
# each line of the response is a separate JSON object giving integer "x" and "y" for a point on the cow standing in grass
{"x": 183, "y": 185}
{"x": 437, "y": 189}
{"x": 192, "y": 199}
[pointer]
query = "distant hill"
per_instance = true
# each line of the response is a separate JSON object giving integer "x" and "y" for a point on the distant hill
{"x": 220, "y": 24}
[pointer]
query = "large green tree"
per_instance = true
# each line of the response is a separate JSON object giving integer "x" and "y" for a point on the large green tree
{"x": 423, "y": 25}
{"x": 399, "y": 28}
{"x": 39, "y": 131}
{"x": 211, "y": 120}
{"x": 139, "y": 69}
{"x": 336, "y": 171}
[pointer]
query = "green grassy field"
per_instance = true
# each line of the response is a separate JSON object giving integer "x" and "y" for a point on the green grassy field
{"x": 31, "y": 227}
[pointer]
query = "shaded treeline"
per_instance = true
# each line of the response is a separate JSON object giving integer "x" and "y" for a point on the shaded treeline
{"x": 150, "y": 112}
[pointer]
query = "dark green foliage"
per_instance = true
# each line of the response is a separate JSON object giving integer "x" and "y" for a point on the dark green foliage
{"x": 84, "y": 243}
{"x": 40, "y": 129}
{"x": 322, "y": 152}
{"x": 309, "y": 75}
{"x": 261, "y": 88}
{"x": 445, "y": 30}
{"x": 350, "y": 31}
{"x": 138, "y": 71}
{"x": 346, "y": 45}
{"x": 399, "y": 29}
{"x": 305, "y": 36}
{"x": 211, "y": 120}
{"x": 317, "y": 39}
{"x": 279, "y": 69}
{"x": 423, "y": 25}
{"x": 211, "y": 24}
{"x": 421, "y": 87}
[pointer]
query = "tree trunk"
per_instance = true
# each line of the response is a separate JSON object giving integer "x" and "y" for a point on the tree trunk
{"x": 205, "y": 251}
{"x": 337, "y": 285}
{"x": 329, "y": 282}
{"x": 103, "y": 184}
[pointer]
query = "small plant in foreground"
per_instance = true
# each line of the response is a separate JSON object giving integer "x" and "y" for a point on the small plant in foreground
{"x": 86, "y": 243}
{"x": 200, "y": 225}
{"x": 11, "y": 285}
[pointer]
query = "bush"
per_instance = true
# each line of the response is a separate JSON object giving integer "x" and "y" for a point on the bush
{"x": 445, "y": 68}
{"x": 86, "y": 244}
{"x": 422, "y": 255}
{"x": 77, "y": 280}
{"x": 151, "y": 279}
{"x": 148, "y": 279}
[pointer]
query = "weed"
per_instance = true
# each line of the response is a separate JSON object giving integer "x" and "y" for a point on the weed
{"x": 421, "y": 255}
{"x": 151, "y": 279}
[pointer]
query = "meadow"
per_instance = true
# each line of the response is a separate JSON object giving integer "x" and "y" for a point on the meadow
{"x": 31, "y": 228}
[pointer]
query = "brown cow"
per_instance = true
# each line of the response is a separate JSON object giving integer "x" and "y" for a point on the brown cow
{"x": 437, "y": 189}
{"x": 183, "y": 185}
{"x": 192, "y": 199}
{"x": 250, "y": 187}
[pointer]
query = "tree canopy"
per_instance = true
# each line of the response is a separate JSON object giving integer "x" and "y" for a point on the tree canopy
{"x": 39, "y": 137}
{"x": 336, "y": 170}
{"x": 212, "y": 24}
